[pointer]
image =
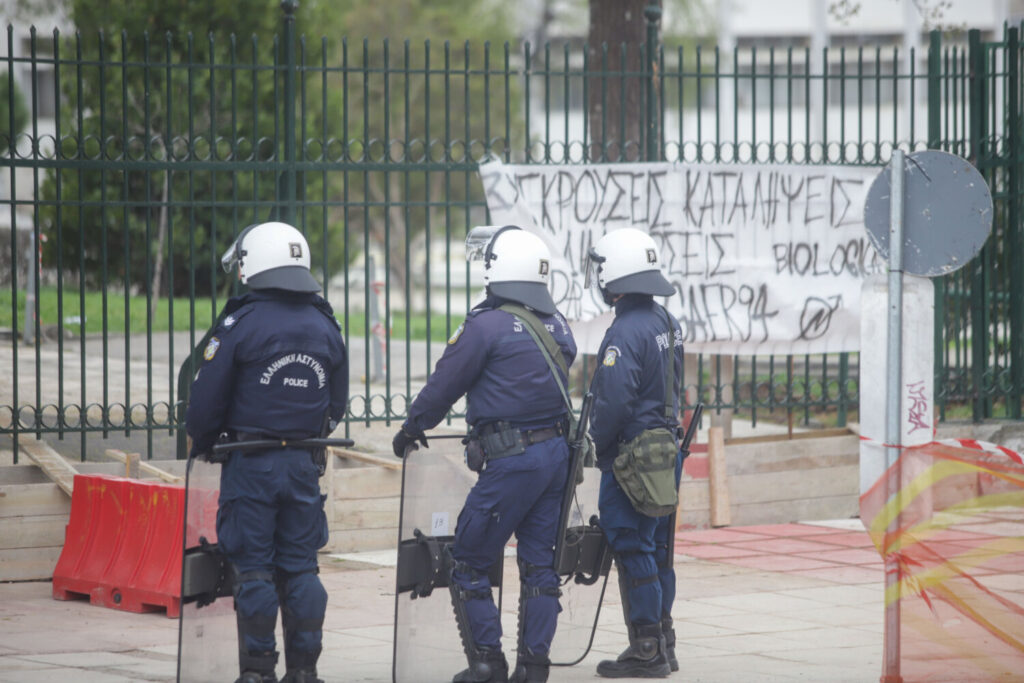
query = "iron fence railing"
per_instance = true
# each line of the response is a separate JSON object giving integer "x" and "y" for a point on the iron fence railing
{"x": 160, "y": 150}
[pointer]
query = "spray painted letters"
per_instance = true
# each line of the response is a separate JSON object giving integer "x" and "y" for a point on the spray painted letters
{"x": 764, "y": 258}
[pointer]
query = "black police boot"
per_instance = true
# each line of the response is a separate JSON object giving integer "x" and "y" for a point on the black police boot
{"x": 531, "y": 668}
{"x": 257, "y": 667}
{"x": 257, "y": 677}
{"x": 670, "y": 642}
{"x": 644, "y": 658}
{"x": 487, "y": 666}
{"x": 301, "y": 666}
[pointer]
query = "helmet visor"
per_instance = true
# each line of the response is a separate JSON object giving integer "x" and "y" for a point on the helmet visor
{"x": 477, "y": 241}
{"x": 592, "y": 268}
{"x": 229, "y": 261}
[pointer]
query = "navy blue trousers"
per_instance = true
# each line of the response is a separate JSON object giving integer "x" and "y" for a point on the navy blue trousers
{"x": 519, "y": 494}
{"x": 270, "y": 524}
{"x": 640, "y": 544}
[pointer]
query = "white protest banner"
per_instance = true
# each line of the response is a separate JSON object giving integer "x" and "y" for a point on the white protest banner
{"x": 766, "y": 259}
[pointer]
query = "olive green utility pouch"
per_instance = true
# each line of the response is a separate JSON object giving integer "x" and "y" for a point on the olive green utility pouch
{"x": 646, "y": 470}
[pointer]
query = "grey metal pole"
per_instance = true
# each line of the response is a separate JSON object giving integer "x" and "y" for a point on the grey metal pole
{"x": 894, "y": 411}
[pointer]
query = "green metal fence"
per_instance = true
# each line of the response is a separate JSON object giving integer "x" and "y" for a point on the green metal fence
{"x": 162, "y": 148}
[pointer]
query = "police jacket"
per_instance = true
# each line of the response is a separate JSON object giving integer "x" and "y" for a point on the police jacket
{"x": 494, "y": 361}
{"x": 629, "y": 382}
{"x": 275, "y": 366}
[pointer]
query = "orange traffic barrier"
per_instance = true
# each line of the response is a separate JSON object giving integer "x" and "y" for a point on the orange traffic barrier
{"x": 122, "y": 546}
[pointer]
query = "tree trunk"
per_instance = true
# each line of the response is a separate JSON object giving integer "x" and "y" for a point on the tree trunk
{"x": 161, "y": 234}
{"x": 615, "y": 47}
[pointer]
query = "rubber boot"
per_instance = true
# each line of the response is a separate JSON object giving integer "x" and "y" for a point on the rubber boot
{"x": 670, "y": 642}
{"x": 488, "y": 666}
{"x": 644, "y": 658}
{"x": 531, "y": 669}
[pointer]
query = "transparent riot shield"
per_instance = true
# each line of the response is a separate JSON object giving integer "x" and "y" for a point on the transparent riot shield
{"x": 583, "y": 561}
{"x": 435, "y": 484}
{"x": 207, "y": 633}
{"x": 427, "y": 646}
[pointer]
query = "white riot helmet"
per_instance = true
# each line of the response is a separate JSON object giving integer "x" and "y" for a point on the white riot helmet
{"x": 517, "y": 264}
{"x": 626, "y": 261}
{"x": 271, "y": 256}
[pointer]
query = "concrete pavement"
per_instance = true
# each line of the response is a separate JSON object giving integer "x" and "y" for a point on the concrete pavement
{"x": 769, "y": 603}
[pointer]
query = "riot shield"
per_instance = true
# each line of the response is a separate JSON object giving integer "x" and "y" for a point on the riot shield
{"x": 583, "y": 572}
{"x": 207, "y": 631}
{"x": 435, "y": 484}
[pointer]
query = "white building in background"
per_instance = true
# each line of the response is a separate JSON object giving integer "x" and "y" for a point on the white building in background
{"x": 772, "y": 38}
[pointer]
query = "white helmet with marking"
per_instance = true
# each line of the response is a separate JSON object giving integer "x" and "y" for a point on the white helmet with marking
{"x": 517, "y": 264}
{"x": 626, "y": 261}
{"x": 271, "y": 256}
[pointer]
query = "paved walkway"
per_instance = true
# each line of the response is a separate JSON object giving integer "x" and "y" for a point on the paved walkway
{"x": 768, "y": 603}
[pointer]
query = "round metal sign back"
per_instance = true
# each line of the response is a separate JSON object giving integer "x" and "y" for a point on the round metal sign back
{"x": 947, "y": 212}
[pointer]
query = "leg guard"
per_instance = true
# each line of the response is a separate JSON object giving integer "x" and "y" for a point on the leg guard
{"x": 256, "y": 615}
{"x": 486, "y": 664}
{"x": 670, "y": 642}
{"x": 532, "y": 663}
{"x": 303, "y": 604}
{"x": 538, "y": 608}
{"x": 645, "y": 657}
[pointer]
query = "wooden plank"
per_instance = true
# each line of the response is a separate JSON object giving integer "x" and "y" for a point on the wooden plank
{"x": 32, "y": 532}
{"x": 51, "y": 462}
{"x": 26, "y": 564}
{"x": 28, "y": 500}
{"x": 352, "y": 540}
{"x": 132, "y": 460}
{"x": 131, "y": 465}
{"x": 693, "y": 495}
{"x": 794, "y": 455}
{"x": 782, "y": 512}
{"x": 796, "y": 436}
{"x": 718, "y": 484}
{"x": 366, "y": 513}
{"x": 348, "y": 454}
{"x": 366, "y": 482}
{"x": 23, "y": 473}
{"x": 796, "y": 485}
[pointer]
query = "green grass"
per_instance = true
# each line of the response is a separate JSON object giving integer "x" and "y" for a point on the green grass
{"x": 138, "y": 311}
{"x": 72, "y": 310}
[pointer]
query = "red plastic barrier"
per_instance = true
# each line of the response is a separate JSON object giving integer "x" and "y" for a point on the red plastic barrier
{"x": 122, "y": 546}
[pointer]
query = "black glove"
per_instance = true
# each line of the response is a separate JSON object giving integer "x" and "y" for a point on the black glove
{"x": 404, "y": 439}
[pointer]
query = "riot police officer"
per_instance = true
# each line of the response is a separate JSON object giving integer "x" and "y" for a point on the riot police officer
{"x": 629, "y": 386}
{"x": 518, "y": 418}
{"x": 275, "y": 368}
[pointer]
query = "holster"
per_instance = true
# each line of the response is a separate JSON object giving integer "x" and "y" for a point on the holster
{"x": 502, "y": 441}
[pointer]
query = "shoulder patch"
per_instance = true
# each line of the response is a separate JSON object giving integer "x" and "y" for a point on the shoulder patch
{"x": 211, "y": 348}
{"x": 230, "y": 321}
{"x": 457, "y": 333}
{"x": 610, "y": 355}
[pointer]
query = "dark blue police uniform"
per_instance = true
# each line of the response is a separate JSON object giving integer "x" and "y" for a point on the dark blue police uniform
{"x": 629, "y": 397}
{"x": 275, "y": 366}
{"x": 494, "y": 361}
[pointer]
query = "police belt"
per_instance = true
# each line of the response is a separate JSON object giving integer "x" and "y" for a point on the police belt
{"x": 500, "y": 439}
